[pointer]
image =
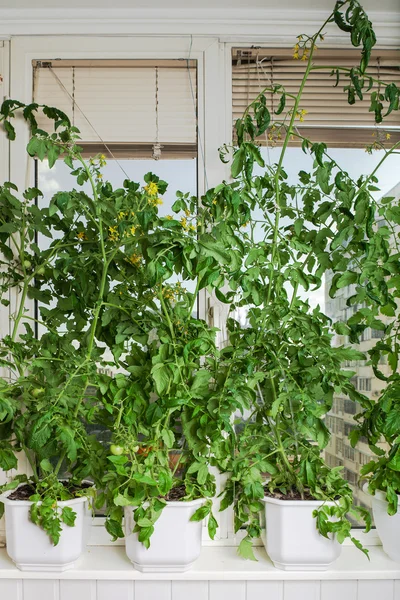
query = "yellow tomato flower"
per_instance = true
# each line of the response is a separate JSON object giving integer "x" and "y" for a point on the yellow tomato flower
{"x": 184, "y": 224}
{"x": 169, "y": 217}
{"x": 295, "y": 55}
{"x": 134, "y": 259}
{"x": 187, "y": 213}
{"x": 388, "y": 136}
{"x": 192, "y": 228}
{"x": 113, "y": 234}
{"x": 121, "y": 215}
{"x": 81, "y": 235}
{"x": 151, "y": 188}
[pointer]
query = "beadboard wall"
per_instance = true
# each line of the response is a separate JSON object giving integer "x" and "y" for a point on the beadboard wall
{"x": 37, "y": 589}
{"x": 104, "y": 573}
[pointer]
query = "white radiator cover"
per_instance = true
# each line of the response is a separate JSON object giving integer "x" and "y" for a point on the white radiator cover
{"x": 105, "y": 573}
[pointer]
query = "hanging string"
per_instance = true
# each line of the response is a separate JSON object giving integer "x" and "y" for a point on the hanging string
{"x": 75, "y": 105}
{"x": 157, "y": 146}
{"x": 198, "y": 132}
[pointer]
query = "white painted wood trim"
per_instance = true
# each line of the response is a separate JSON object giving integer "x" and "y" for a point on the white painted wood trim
{"x": 214, "y": 564}
{"x": 258, "y": 24}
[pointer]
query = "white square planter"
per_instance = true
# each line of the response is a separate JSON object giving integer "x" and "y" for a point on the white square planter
{"x": 175, "y": 543}
{"x": 388, "y": 526}
{"x": 292, "y": 540}
{"x": 31, "y": 548}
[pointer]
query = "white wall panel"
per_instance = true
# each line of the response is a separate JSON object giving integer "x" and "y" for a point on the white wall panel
{"x": 41, "y": 589}
{"x": 152, "y": 590}
{"x": 338, "y": 590}
{"x": 189, "y": 590}
{"x": 375, "y": 590}
{"x": 227, "y": 590}
{"x": 120, "y": 590}
{"x": 10, "y": 589}
{"x": 81, "y": 589}
{"x": 397, "y": 590}
{"x": 302, "y": 590}
{"x": 264, "y": 590}
{"x": 77, "y": 589}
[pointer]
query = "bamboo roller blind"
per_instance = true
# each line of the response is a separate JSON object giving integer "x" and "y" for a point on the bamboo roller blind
{"x": 329, "y": 116}
{"x": 129, "y": 104}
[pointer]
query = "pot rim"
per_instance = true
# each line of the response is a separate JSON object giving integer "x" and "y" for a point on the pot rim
{"x": 298, "y": 503}
{"x": 379, "y": 494}
{"x": 4, "y": 498}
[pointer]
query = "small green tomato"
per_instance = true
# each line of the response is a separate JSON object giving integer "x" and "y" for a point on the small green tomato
{"x": 36, "y": 392}
{"x": 116, "y": 450}
{"x": 40, "y": 271}
{"x": 27, "y": 264}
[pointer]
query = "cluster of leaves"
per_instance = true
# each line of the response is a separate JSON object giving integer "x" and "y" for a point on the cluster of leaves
{"x": 380, "y": 422}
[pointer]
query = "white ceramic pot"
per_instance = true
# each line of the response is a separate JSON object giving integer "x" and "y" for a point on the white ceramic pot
{"x": 292, "y": 539}
{"x": 31, "y": 548}
{"x": 388, "y": 526}
{"x": 175, "y": 543}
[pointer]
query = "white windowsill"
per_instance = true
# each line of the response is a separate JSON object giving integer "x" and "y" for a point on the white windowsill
{"x": 215, "y": 563}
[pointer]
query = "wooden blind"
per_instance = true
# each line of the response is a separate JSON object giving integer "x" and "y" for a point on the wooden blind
{"x": 131, "y": 105}
{"x": 329, "y": 116}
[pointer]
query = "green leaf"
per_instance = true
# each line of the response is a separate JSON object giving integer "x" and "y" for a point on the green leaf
{"x": 214, "y": 249}
{"x": 46, "y": 465}
{"x": 346, "y": 279}
{"x": 161, "y": 375}
{"x": 200, "y": 384}
{"x": 8, "y": 459}
{"x": 168, "y": 438}
{"x": 212, "y": 526}
{"x": 202, "y": 474}
{"x": 144, "y": 479}
{"x": 121, "y": 500}
{"x": 202, "y": 512}
{"x": 68, "y": 516}
{"x": 344, "y": 353}
{"x": 238, "y": 162}
{"x": 114, "y": 528}
{"x": 245, "y": 548}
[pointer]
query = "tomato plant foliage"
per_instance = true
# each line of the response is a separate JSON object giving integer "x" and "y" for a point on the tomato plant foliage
{"x": 117, "y": 289}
